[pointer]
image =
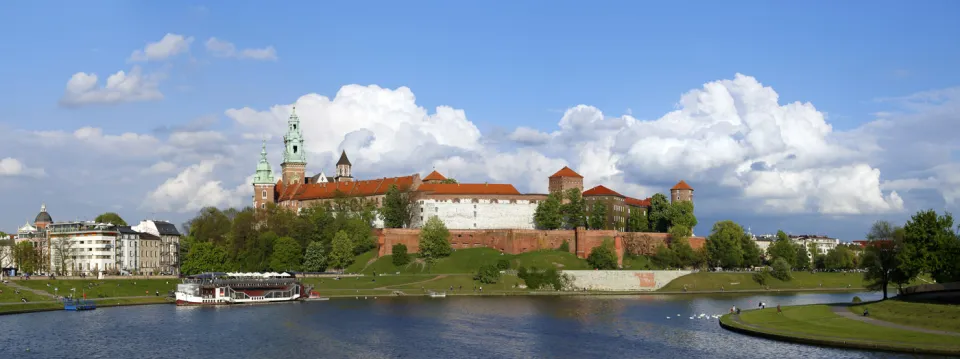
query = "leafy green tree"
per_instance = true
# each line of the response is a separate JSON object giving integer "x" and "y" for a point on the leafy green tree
{"x": 681, "y": 214}
{"x": 574, "y": 211}
{"x": 342, "y": 254}
{"x": 781, "y": 269}
{"x": 659, "y": 213}
{"x": 603, "y": 257}
{"x": 27, "y": 257}
{"x": 666, "y": 258}
{"x": 400, "y": 255}
{"x": 637, "y": 221}
{"x": 840, "y": 258}
{"x": 449, "y": 181}
{"x": 396, "y": 209}
{"x": 928, "y": 243}
{"x": 110, "y": 217}
{"x": 547, "y": 215}
{"x": 680, "y": 245}
{"x": 503, "y": 264}
{"x": 256, "y": 254}
{"x": 210, "y": 225}
{"x": 784, "y": 248}
{"x": 315, "y": 260}
{"x": 880, "y": 256}
{"x": 803, "y": 258}
{"x": 286, "y": 255}
{"x": 204, "y": 257}
{"x": 487, "y": 274}
{"x": 751, "y": 252}
{"x": 434, "y": 240}
{"x": 598, "y": 215}
{"x": 723, "y": 245}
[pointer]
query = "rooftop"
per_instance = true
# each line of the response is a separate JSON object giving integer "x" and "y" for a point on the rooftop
{"x": 566, "y": 172}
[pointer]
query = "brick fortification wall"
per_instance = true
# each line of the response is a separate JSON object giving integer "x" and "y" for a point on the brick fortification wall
{"x": 515, "y": 241}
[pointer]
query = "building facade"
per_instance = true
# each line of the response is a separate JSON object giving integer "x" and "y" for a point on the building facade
{"x": 459, "y": 205}
{"x": 82, "y": 247}
{"x": 168, "y": 250}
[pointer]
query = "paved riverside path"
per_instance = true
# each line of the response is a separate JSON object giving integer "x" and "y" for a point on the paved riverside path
{"x": 846, "y": 313}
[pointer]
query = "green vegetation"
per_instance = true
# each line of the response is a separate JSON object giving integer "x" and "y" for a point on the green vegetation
{"x": 103, "y": 288}
{"x": 781, "y": 270}
{"x": 397, "y": 210}
{"x": 342, "y": 254}
{"x": 536, "y": 279}
{"x": 101, "y": 303}
{"x": 467, "y": 261}
{"x": 728, "y": 281}
{"x": 603, "y": 256}
{"x": 921, "y": 315}
{"x": 361, "y": 262}
{"x": 10, "y": 295}
{"x": 400, "y": 255}
{"x": 819, "y": 323}
{"x": 487, "y": 274}
{"x": 315, "y": 260}
{"x": 110, "y": 217}
{"x": 434, "y": 241}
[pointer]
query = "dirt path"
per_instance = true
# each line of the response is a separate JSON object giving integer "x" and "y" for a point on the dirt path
{"x": 846, "y": 313}
{"x": 389, "y": 287}
{"x": 12, "y": 284}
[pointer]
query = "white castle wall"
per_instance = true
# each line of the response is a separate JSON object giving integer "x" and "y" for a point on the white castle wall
{"x": 480, "y": 215}
{"x": 622, "y": 280}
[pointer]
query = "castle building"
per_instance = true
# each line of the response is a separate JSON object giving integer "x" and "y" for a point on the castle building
{"x": 459, "y": 205}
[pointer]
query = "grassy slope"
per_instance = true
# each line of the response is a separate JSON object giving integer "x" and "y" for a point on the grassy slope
{"x": 467, "y": 261}
{"x": 708, "y": 281}
{"x": 922, "y": 315}
{"x": 360, "y": 261}
{"x": 10, "y": 295}
{"x": 819, "y": 322}
{"x": 105, "y": 288}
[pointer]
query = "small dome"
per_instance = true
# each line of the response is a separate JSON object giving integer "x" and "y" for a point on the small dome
{"x": 43, "y": 217}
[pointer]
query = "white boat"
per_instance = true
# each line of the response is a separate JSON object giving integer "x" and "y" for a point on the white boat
{"x": 438, "y": 294}
{"x": 216, "y": 289}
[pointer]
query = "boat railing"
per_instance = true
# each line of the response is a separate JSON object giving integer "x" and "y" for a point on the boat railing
{"x": 241, "y": 281}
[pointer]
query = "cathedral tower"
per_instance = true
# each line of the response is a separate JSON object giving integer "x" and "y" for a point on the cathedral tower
{"x": 294, "y": 162}
{"x": 344, "y": 168}
{"x": 263, "y": 183}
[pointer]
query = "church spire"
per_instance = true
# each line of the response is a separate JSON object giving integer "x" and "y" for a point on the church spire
{"x": 264, "y": 173}
{"x": 293, "y": 140}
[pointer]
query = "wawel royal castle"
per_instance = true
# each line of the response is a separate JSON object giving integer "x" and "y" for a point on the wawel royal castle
{"x": 459, "y": 205}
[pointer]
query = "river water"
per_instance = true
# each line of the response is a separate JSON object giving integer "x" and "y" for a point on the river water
{"x": 453, "y": 327}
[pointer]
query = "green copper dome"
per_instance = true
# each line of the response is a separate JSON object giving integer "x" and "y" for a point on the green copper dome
{"x": 264, "y": 173}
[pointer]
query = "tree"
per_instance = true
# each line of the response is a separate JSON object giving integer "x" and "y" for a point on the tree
{"x": 680, "y": 213}
{"x": 400, "y": 255}
{"x": 26, "y": 257}
{"x": 62, "y": 253}
{"x": 487, "y": 274}
{"x": 840, "y": 258}
{"x": 210, "y": 225}
{"x": 315, "y": 260}
{"x": 396, "y": 210}
{"x": 449, "y": 181}
{"x": 434, "y": 240}
{"x": 680, "y": 245}
{"x": 783, "y": 248}
{"x": 659, "y": 213}
{"x": 666, "y": 258}
{"x": 927, "y": 246}
{"x": 603, "y": 257}
{"x": 547, "y": 215}
{"x": 598, "y": 215}
{"x": 803, "y": 258}
{"x": 751, "y": 252}
{"x": 286, "y": 255}
{"x": 574, "y": 211}
{"x": 637, "y": 222}
{"x": 880, "y": 256}
{"x": 723, "y": 245}
{"x": 204, "y": 257}
{"x": 781, "y": 269}
{"x": 110, "y": 217}
{"x": 342, "y": 254}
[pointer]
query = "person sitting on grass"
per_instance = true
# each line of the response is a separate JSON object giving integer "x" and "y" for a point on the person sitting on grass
{"x": 866, "y": 313}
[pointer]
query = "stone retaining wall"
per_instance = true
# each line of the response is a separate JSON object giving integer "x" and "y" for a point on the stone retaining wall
{"x": 623, "y": 280}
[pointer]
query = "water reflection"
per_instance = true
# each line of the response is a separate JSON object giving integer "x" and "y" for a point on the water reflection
{"x": 390, "y": 327}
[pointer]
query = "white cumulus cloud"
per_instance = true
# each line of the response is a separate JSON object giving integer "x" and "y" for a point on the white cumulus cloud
{"x": 222, "y": 48}
{"x": 83, "y": 88}
{"x": 13, "y": 167}
{"x": 198, "y": 186}
{"x": 169, "y": 46}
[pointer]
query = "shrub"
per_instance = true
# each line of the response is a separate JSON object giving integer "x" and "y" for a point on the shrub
{"x": 503, "y": 264}
{"x": 760, "y": 277}
{"x": 536, "y": 279}
{"x": 856, "y": 299}
{"x": 781, "y": 269}
{"x": 602, "y": 257}
{"x": 487, "y": 274}
{"x": 564, "y": 247}
{"x": 400, "y": 255}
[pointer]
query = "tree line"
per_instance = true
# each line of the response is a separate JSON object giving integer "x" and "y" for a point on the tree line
{"x": 662, "y": 215}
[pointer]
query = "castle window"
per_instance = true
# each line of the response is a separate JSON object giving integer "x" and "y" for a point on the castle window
{"x": 294, "y": 148}
{"x": 263, "y": 205}
{"x": 264, "y": 195}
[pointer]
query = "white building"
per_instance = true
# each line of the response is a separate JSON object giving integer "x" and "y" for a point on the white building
{"x": 128, "y": 250}
{"x": 169, "y": 251}
{"x": 823, "y": 244}
{"x": 469, "y": 213}
{"x": 82, "y": 247}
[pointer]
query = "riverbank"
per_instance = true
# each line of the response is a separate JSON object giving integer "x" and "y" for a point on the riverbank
{"x": 838, "y": 326}
{"x": 46, "y": 306}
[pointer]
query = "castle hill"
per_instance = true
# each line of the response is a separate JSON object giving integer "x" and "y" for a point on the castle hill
{"x": 480, "y": 180}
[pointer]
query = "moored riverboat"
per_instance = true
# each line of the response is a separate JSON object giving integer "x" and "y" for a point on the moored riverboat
{"x": 239, "y": 288}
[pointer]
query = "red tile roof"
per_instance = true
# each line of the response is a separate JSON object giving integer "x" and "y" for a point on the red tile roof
{"x": 566, "y": 172}
{"x": 434, "y": 176}
{"x": 328, "y": 190}
{"x": 682, "y": 186}
{"x": 468, "y": 188}
{"x": 630, "y": 201}
{"x": 601, "y": 191}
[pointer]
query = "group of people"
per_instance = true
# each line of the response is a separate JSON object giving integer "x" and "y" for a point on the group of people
{"x": 760, "y": 305}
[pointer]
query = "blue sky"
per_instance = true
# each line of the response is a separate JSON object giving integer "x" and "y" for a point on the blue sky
{"x": 507, "y": 64}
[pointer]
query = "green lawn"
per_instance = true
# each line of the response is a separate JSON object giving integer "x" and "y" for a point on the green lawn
{"x": 712, "y": 281}
{"x": 104, "y": 288}
{"x": 10, "y": 295}
{"x": 819, "y": 322}
{"x": 466, "y": 282}
{"x": 365, "y": 282}
{"x": 638, "y": 263}
{"x": 922, "y": 315}
{"x": 360, "y": 261}
{"x": 100, "y": 304}
{"x": 467, "y": 261}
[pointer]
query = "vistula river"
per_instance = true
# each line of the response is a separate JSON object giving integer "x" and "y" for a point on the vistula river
{"x": 390, "y": 327}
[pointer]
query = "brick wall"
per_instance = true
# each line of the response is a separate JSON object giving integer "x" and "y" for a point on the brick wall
{"x": 515, "y": 241}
